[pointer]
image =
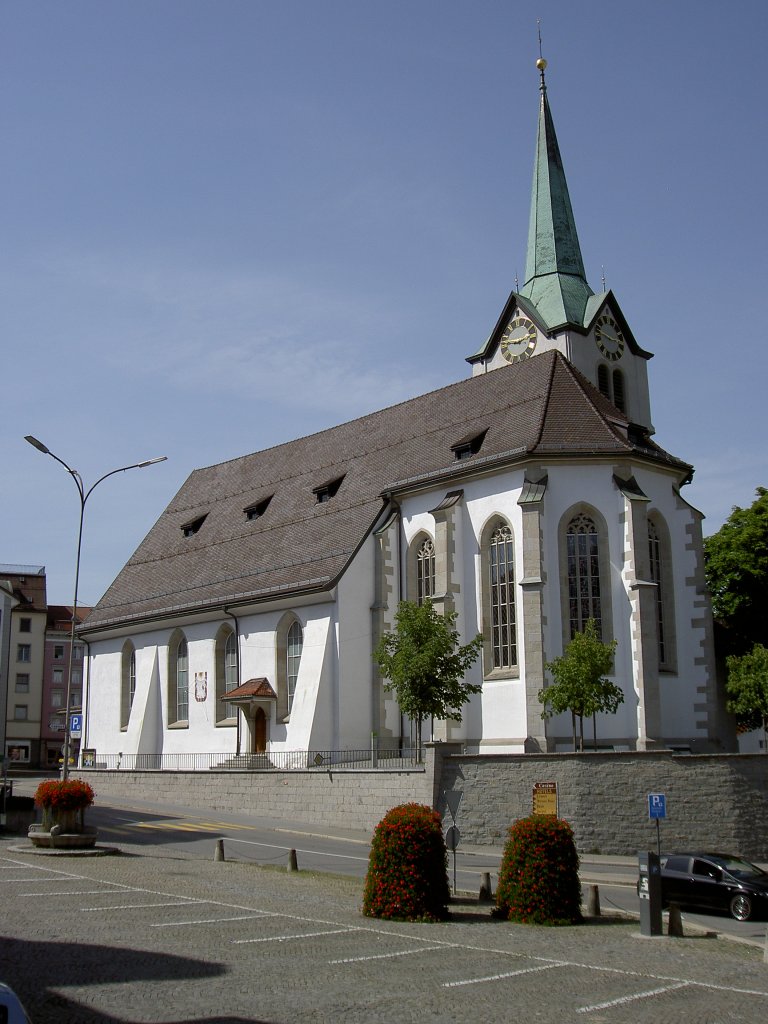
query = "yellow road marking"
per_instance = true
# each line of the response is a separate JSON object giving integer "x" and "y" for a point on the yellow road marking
{"x": 190, "y": 826}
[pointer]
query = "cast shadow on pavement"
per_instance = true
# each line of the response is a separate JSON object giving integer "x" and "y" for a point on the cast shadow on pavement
{"x": 34, "y": 970}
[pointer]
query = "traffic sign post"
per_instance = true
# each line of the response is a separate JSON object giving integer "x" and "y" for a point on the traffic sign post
{"x": 453, "y": 836}
{"x": 657, "y": 809}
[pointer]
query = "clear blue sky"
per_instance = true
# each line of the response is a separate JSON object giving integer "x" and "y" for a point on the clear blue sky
{"x": 228, "y": 223}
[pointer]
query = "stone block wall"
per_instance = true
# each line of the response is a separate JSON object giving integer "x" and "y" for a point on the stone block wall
{"x": 343, "y": 799}
{"x": 714, "y": 802}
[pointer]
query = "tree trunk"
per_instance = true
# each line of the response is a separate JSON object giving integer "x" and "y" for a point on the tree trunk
{"x": 573, "y": 727}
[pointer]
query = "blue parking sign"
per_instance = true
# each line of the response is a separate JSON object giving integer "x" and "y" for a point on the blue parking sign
{"x": 657, "y": 806}
{"x": 75, "y": 725}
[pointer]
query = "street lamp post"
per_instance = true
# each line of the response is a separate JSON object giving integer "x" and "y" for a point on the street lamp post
{"x": 84, "y": 496}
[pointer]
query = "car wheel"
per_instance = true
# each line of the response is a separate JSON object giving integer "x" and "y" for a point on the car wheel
{"x": 741, "y": 907}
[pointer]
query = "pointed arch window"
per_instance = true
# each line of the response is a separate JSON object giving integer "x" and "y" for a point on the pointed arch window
{"x": 500, "y": 568}
{"x": 178, "y": 681}
{"x": 289, "y": 646}
{"x": 583, "y": 560}
{"x": 661, "y": 575}
{"x": 654, "y": 545}
{"x": 182, "y": 681}
{"x": 295, "y": 646}
{"x": 226, "y": 673}
{"x": 128, "y": 683}
{"x": 425, "y": 571}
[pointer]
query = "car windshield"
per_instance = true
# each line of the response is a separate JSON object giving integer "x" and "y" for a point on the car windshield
{"x": 741, "y": 868}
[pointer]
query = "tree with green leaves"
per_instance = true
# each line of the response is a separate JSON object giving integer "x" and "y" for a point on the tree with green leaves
{"x": 747, "y": 689}
{"x": 422, "y": 662}
{"x": 736, "y": 566}
{"x": 580, "y": 685}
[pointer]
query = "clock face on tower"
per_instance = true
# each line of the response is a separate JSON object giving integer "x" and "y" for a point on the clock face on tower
{"x": 608, "y": 337}
{"x": 518, "y": 340}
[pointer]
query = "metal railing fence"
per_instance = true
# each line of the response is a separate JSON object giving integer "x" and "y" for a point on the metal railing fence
{"x": 283, "y": 760}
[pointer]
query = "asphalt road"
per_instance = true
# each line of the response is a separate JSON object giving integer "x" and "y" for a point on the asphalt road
{"x": 268, "y": 842}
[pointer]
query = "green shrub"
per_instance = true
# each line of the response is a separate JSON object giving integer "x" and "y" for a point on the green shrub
{"x": 407, "y": 876}
{"x": 539, "y": 877}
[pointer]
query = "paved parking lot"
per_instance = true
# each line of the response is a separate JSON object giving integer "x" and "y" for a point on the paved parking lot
{"x": 149, "y": 936}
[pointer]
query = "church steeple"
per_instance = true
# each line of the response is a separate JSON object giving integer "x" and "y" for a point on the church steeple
{"x": 555, "y": 282}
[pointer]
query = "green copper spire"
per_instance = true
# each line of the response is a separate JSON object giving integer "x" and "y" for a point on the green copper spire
{"x": 554, "y": 272}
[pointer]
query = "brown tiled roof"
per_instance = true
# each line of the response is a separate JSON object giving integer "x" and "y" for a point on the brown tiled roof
{"x": 252, "y": 688}
{"x": 536, "y": 408}
{"x": 60, "y": 616}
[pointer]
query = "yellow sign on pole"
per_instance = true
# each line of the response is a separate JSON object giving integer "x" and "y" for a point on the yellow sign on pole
{"x": 545, "y": 798}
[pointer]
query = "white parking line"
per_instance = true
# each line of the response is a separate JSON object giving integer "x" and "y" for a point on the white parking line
{"x": 385, "y": 956}
{"x": 500, "y": 977}
{"x": 214, "y": 920}
{"x": 664, "y": 983}
{"x": 288, "y": 938}
{"x": 630, "y": 999}
{"x": 36, "y": 878}
{"x": 80, "y": 892}
{"x": 137, "y": 906}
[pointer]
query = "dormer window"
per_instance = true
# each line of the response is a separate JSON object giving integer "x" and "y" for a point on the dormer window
{"x": 638, "y": 434}
{"x": 470, "y": 445}
{"x": 191, "y": 528}
{"x": 327, "y": 490}
{"x": 257, "y": 511}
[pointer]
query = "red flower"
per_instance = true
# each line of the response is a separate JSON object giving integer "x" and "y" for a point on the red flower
{"x": 65, "y": 795}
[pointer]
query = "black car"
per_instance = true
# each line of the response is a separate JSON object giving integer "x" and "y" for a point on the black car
{"x": 714, "y": 881}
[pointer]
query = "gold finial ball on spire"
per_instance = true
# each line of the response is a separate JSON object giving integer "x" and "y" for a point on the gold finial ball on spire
{"x": 541, "y": 64}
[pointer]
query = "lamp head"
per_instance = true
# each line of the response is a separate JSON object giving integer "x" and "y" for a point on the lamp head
{"x": 37, "y": 444}
{"x": 151, "y": 462}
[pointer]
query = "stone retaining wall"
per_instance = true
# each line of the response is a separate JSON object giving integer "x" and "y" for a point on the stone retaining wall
{"x": 344, "y": 799}
{"x": 714, "y": 802}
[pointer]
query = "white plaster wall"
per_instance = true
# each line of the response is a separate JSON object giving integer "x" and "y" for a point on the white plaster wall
{"x": 680, "y": 691}
{"x": 497, "y": 714}
{"x": 354, "y": 704}
{"x": 571, "y": 485}
{"x": 311, "y": 724}
{"x": 333, "y": 703}
{"x": 258, "y": 657}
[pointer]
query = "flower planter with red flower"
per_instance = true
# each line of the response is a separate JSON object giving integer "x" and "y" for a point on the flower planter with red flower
{"x": 63, "y": 803}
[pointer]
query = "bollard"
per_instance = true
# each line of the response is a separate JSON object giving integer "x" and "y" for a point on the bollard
{"x": 486, "y": 894}
{"x": 219, "y": 854}
{"x": 292, "y": 862}
{"x": 675, "y": 923}
{"x": 765, "y": 951}
{"x": 593, "y": 901}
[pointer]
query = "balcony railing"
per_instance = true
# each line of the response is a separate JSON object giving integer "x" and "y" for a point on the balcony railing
{"x": 284, "y": 760}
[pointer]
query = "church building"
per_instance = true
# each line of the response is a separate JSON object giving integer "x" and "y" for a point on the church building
{"x": 528, "y": 497}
